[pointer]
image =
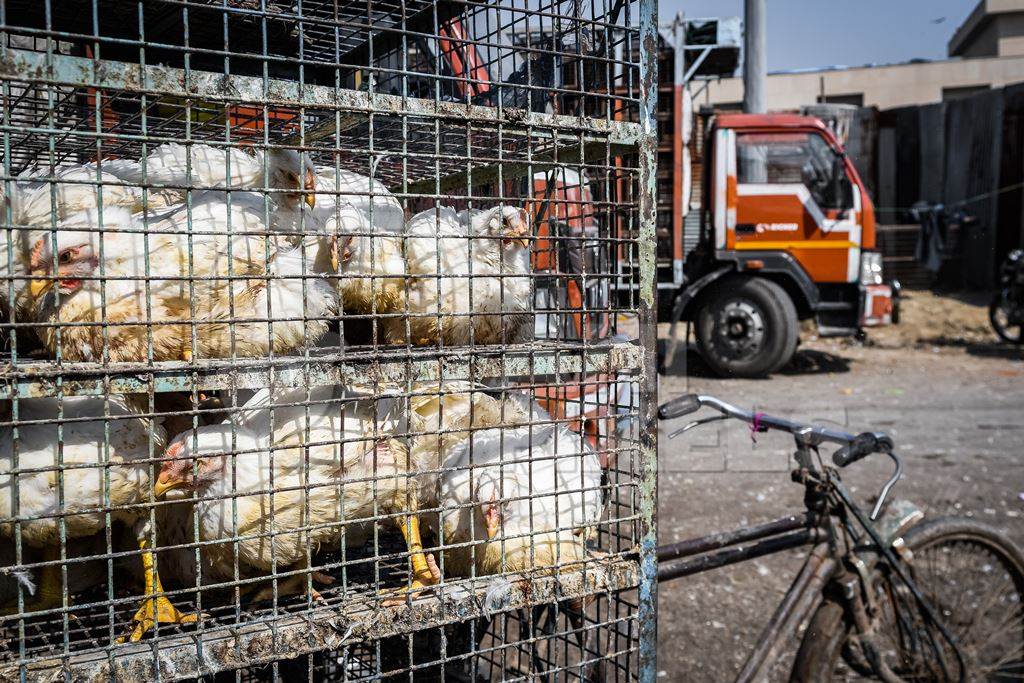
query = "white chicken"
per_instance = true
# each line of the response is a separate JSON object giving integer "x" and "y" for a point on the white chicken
{"x": 41, "y": 197}
{"x": 331, "y": 463}
{"x": 469, "y": 278}
{"x": 41, "y": 200}
{"x": 173, "y": 168}
{"x": 443, "y": 416}
{"x": 336, "y": 188}
{"x": 372, "y": 266}
{"x": 102, "y": 460}
{"x": 119, "y": 288}
{"x": 523, "y": 498}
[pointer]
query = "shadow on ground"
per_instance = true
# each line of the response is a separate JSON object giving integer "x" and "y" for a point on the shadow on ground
{"x": 985, "y": 349}
{"x": 804, "y": 362}
{"x": 995, "y": 350}
{"x": 815, "y": 362}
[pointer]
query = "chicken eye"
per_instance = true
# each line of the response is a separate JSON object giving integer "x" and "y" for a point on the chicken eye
{"x": 65, "y": 256}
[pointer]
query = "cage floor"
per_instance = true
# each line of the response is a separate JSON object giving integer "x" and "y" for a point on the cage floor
{"x": 232, "y": 636}
{"x": 93, "y": 622}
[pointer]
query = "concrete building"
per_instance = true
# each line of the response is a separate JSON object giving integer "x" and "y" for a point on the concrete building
{"x": 986, "y": 51}
{"x": 994, "y": 29}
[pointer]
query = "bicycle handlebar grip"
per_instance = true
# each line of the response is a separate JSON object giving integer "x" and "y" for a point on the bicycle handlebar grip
{"x": 679, "y": 406}
{"x": 863, "y": 445}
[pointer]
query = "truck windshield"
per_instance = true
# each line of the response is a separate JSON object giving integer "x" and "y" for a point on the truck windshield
{"x": 793, "y": 158}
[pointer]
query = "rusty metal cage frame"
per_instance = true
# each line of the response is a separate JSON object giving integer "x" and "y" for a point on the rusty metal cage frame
{"x": 369, "y": 87}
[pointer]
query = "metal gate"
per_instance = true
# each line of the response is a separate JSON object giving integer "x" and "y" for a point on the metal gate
{"x": 282, "y": 394}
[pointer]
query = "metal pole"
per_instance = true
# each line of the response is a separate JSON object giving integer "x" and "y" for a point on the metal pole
{"x": 755, "y": 70}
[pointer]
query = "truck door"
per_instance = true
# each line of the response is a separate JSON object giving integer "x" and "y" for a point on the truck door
{"x": 792, "y": 194}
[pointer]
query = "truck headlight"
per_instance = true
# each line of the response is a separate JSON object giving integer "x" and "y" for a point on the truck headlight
{"x": 871, "y": 268}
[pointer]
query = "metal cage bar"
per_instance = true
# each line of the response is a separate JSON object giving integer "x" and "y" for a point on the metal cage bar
{"x": 314, "y": 362}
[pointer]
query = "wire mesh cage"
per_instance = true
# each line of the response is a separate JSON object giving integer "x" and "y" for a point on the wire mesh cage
{"x": 314, "y": 362}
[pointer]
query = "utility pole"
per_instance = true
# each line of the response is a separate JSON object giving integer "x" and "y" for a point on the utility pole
{"x": 755, "y": 69}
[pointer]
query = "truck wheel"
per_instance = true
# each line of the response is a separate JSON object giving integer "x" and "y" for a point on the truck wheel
{"x": 746, "y": 327}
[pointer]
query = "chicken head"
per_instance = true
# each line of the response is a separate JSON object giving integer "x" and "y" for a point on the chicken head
{"x": 287, "y": 169}
{"x": 76, "y": 259}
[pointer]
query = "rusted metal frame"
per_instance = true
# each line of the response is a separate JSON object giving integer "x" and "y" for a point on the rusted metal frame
{"x": 37, "y": 379}
{"x": 350, "y": 65}
{"x": 648, "y": 423}
{"x": 802, "y": 598}
{"x": 21, "y": 65}
{"x": 739, "y": 553}
{"x": 285, "y": 636}
{"x": 688, "y": 548}
{"x": 557, "y": 365}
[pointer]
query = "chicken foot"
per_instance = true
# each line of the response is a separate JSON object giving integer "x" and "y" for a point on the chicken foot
{"x": 425, "y": 572}
{"x": 155, "y": 608}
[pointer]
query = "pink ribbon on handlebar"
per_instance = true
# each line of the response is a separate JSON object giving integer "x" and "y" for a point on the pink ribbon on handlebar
{"x": 755, "y": 426}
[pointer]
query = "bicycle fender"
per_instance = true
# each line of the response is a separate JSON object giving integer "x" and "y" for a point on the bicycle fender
{"x": 897, "y": 518}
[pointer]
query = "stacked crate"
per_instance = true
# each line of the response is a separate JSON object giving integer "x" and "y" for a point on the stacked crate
{"x": 397, "y": 103}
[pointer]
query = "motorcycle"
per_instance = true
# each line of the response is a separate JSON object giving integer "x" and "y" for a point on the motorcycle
{"x": 1006, "y": 312}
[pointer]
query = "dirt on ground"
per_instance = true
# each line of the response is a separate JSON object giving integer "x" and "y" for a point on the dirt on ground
{"x": 929, "y": 319}
{"x": 941, "y": 383}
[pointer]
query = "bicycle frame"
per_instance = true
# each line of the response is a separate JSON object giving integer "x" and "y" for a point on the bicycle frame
{"x": 803, "y": 597}
{"x": 818, "y": 527}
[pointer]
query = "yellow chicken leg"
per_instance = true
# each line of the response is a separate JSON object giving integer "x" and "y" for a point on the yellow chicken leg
{"x": 424, "y": 570}
{"x": 156, "y": 608}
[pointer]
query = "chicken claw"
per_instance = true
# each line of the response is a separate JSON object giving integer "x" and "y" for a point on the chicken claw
{"x": 155, "y": 608}
{"x": 425, "y": 572}
{"x": 153, "y": 611}
{"x": 422, "y": 579}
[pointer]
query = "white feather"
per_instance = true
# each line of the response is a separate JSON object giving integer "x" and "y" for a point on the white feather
{"x": 98, "y": 458}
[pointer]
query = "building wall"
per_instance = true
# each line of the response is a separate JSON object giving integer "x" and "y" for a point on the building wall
{"x": 881, "y": 86}
{"x": 1011, "y": 34}
{"x": 984, "y": 43}
{"x": 993, "y": 29}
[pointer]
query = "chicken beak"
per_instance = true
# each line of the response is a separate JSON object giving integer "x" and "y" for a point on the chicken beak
{"x": 518, "y": 233}
{"x": 39, "y": 287}
{"x": 334, "y": 254}
{"x": 310, "y": 187}
{"x": 492, "y": 521}
{"x": 165, "y": 483}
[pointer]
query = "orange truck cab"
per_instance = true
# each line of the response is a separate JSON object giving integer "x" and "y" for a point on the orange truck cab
{"x": 787, "y": 233}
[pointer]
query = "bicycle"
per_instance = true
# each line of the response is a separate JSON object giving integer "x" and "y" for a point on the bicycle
{"x": 886, "y": 596}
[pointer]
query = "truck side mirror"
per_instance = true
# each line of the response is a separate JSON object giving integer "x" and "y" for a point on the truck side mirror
{"x": 842, "y": 188}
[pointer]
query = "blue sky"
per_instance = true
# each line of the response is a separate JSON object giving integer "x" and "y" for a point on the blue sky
{"x": 814, "y": 33}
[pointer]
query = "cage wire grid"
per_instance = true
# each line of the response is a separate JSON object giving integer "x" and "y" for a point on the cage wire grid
{"x": 328, "y": 339}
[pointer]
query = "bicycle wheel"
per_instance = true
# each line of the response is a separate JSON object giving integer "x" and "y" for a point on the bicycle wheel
{"x": 971, "y": 574}
{"x": 1005, "y": 317}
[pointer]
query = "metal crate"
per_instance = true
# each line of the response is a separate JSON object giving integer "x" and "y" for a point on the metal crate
{"x": 307, "y": 314}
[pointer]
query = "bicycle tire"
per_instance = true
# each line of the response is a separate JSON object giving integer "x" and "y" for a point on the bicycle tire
{"x": 821, "y": 655}
{"x": 997, "y": 307}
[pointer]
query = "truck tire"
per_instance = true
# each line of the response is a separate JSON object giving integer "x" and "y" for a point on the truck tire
{"x": 746, "y": 327}
{"x": 792, "y": 328}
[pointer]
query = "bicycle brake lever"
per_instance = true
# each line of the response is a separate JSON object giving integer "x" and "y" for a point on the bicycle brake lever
{"x": 896, "y": 475}
{"x": 696, "y": 423}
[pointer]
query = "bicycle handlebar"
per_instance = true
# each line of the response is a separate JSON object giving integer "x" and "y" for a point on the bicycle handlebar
{"x": 864, "y": 445}
{"x": 854, "y": 447}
